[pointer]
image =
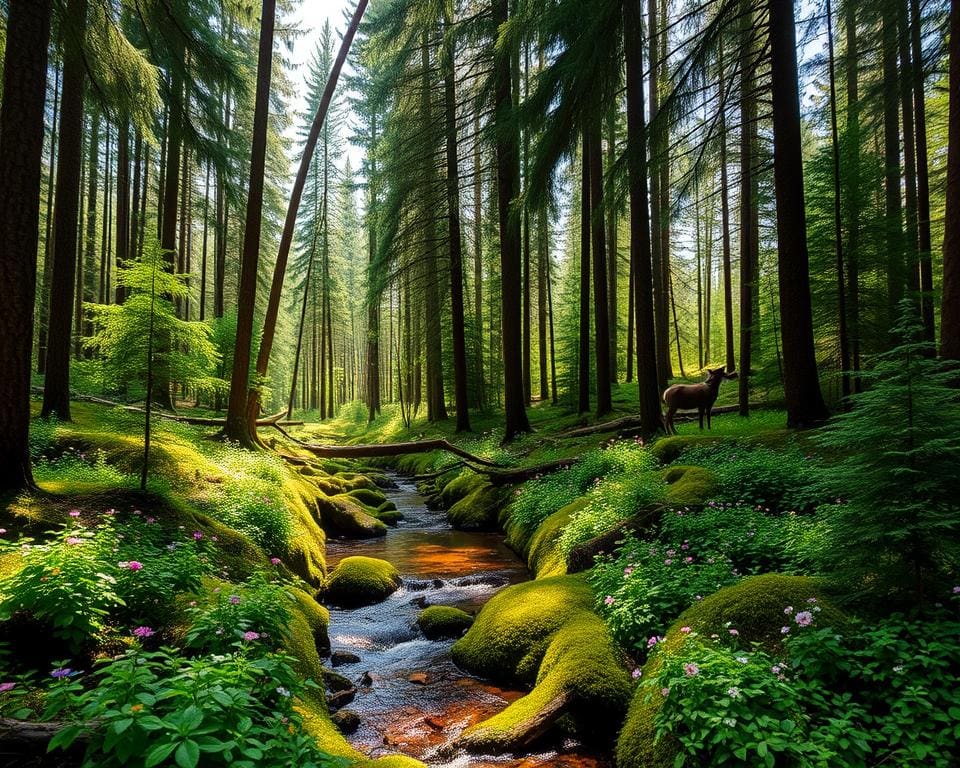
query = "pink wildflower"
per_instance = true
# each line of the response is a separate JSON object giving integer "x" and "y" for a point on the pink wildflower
{"x": 804, "y": 618}
{"x": 234, "y": 599}
{"x": 274, "y": 561}
{"x": 685, "y": 630}
{"x": 143, "y": 632}
{"x": 135, "y": 565}
{"x": 73, "y": 540}
{"x": 251, "y": 636}
{"x": 4, "y": 687}
{"x": 197, "y": 535}
{"x": 74, "y": 513}
{"x": 609, "y": 600}
{"x": 690, "y": 669}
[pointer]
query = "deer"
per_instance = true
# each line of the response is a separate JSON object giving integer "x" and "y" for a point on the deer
{"x": 699, "y": 397}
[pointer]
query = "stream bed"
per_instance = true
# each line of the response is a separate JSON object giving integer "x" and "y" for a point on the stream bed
{"x": 419, "y": 700}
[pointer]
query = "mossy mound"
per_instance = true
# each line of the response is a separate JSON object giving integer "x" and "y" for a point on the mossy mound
{"x": 391, "y": 761}
{"x": 668, "y": 449}
{"x": 308, "y": 639}
{"x": 387, "y": 506}
{"x": 461, "y": 486}
{"x": 345, "y": 516}
{"x": 755, "y": 608}
{"x": 690, "y": 485}
{"x": 360, "y": 581}
{"x": 544, "y": 633}
{"x": 442, "y": 621}
{"x": 479, "y": 510}
{"x": 390, "y": 517}
{"x": 544, "y": 557}
{"x": 370, "y": 497}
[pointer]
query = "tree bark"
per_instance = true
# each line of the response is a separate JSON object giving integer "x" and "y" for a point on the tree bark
{"x": 44, "y": 314}
{"x": 661, "y": 309}
{"x": 123, "y": 201}
{"x": 238, "y": 421}
{"x": 725, "y": 231}
{"x": 56, "y": 392}
{"x": 651, "y": 420}
{"x": 21, "y": 159}
{"x": 508, "y": 172}
{"x": 600, "y": 298}
{"x": 950, "y": 309}
{"x": 851, "y": 175}
{"x": 583, "y": 357}
{"x": 613, "y": 261}
{"x": 747, "y": 203}
{"x": 804, "y": 400}
{"x": 891, "y": 161}
{"x": 85, "y": 266}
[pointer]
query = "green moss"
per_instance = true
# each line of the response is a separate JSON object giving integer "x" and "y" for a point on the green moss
{"x": 387, "y": 506}
{"x": 439, "y": 621}
{"x": 668, "y": 449}
{"x": 360, "y": 581}
{"x": 579, "y": 674}
{"x": 370, "y": 497}
{"x": 479, "y": 509}
{"x": 690, "y": 485}
{"x": 755, "y": 607}
{"x": 345, "y": 516}
{"x": 317, "y": 723}
{"x": 391, "y": 761}
{"x": 461, "y": 486}
{"x": 544, "y": 556}
{"x": 308, "y": 638}
{"x": 390, "y": 517}
{"x": 353, "y": 481}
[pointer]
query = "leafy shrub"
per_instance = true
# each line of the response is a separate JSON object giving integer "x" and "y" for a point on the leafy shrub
{"x": 158, "y": 708}
{"x": 647, "y": 585}
{"x": 77, "y": 466}
{"x": 777, "y": 478}
{"x": 64, "y": 583}
{"x": 256, "y": 615}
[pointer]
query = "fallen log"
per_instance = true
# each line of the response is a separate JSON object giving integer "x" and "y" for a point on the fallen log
{"x": 24, "y": 742}
{"x": 633, "y": 422}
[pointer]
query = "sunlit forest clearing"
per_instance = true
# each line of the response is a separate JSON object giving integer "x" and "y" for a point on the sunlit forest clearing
{"x": 480, "y": 383}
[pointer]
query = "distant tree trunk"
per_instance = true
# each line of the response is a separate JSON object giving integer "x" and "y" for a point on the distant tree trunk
{"x": 725, "y": 231}
{"x": 923, "y": 176}
{"x": 747, "y": 203}
{"x": 661, "y": 308}
{"x": 527, "y": 337}
{"x": 891, "y": 162}
{"x": 804, "y": 400}
{"x": 583, "y": 358}
{"x": 843, "y": 334}
{"x": 123, "y": 200}
{"x": 48, "y": 235}
{"x": 373, "y": 309}
{"x": 600, "y": 299}
{"x": 909, "y": 157}
{"x": 203, "y": 247}
{"x": 950, "y": 310}
{"x": 478, "y": 260}
{"x": 630, "y": 317}
{"x": 508, "y": 172}
{"x": 613, "y": 260}
{"x": 651, "y": 420}
{"x": 85, "y": 267}
{"x": 852, "y": 197}
{"x": 21, "y": 160}
{"x": 56, "y": 389}
{"x": 543, "y": 255}
{"x": 237, "y": 423}
{"x": 456, "y": 239}
{"x": 106, "y": 242}
{"x": 553, "y": 351}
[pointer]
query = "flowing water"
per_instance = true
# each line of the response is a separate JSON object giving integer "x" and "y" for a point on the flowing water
{"x": 419, "y": 700}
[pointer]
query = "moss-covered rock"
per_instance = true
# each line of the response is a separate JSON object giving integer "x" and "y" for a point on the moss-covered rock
{"x": 390, "y": 517}
{"x": 689, "y": 485}
{"x": 360, "y": 581}
{"x": 370, "y": 497}
{"x": 307, "y": 637}
{"x": 544, "y": 557}
{"x": 544, "y": 633}
{"x": 345, "y": 516}
{"x": 387, "y": 506}
{"x": 439, "y": 621}
{"x": 668, "y": 449}
{"x": 755, "y": 607}
{"x": 479, "y": 510}
{"x": 461, "y": 486}
{"x": 391, "y": 761}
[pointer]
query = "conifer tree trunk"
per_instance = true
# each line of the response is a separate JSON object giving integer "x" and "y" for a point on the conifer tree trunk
{"x": 123, "y": 200}
{"x": 85, "y": 266}
{"x": 44, "y": 315}
{"x": 725, "y": 231}
{"x": 21, "y": 159}
{"x": 373, "y": 310}
{"x": 747, "y": 203}
{"x": 613, "y": 261}
{"x": 852, "y": 197}
{"x": 527, "y": 338}
{"x": 237, "y": 419}
{"x": 600, "y": 277}
{"x": 583, "y": 358}
{"x": 950, "y": 309}
{"x": 56, "y": 389}
{"x": 508, "y": 186}
{"x": 478, "y": 260}
{"x": 651, "y": 420}
{"x": 203, "y": 247}
{"x": 891, "y": 161}
{"x": 456, "y": 241}
{"x": 661, "y": 308}
{"x": 804, "y": 400}
{"x": 543, "y": 254}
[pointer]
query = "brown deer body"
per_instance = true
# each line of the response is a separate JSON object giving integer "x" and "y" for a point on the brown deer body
{"x": 694, "y": 397}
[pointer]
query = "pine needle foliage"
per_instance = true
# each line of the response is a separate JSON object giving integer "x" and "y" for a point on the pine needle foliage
{"x": 894, "y": 534}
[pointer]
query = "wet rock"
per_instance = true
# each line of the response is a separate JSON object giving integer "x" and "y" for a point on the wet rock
{"x": 335, "y": 681}
{"x": 420, "y": 602}
{"x": 436, "y": 723}
{"x": 366, "y": 680}
{"x": 346, "y": 720}
{"x": 441, "y": 621}
{"x": 339, "y": 658}
{"x": 418, "y": 678}
{"x": 341, "y": 698}
{"x": 359, "y": 580}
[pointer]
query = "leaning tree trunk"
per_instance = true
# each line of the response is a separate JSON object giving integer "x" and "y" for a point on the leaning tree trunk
{"x": 21, "y": 157}
{"x": 56, "y": 390}
{"x": 805, "y": 404}
{"x": 290, "y": 222}
{"x": 950, "y": 310}
{"x": 651, "y": 420}
{"x": 237, "y": 426}
{"x": 508, "y": 183}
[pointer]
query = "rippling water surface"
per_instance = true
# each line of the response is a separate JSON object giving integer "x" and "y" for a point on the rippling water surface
{"x": 419, "y": 701}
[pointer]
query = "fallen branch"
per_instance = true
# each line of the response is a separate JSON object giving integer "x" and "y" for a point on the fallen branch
{"x": 22, "y": 739}
{"x": 633, "y": 422}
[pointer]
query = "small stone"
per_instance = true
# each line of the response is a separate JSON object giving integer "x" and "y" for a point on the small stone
{"x": 418, "y": 678}
{"x": 346, "y": 720}
{"x": 341, "y": 698}
{"x": 366, "y": 680}
{"x": 438, "y": 724}
{"x": 339, "y": 658}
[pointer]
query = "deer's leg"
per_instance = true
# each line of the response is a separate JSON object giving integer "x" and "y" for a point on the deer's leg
{"x": 671, "y": 430}
{"x": 700, "y": 415}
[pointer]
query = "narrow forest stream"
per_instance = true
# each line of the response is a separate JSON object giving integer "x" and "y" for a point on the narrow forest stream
{"x": 419, "y": 700}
